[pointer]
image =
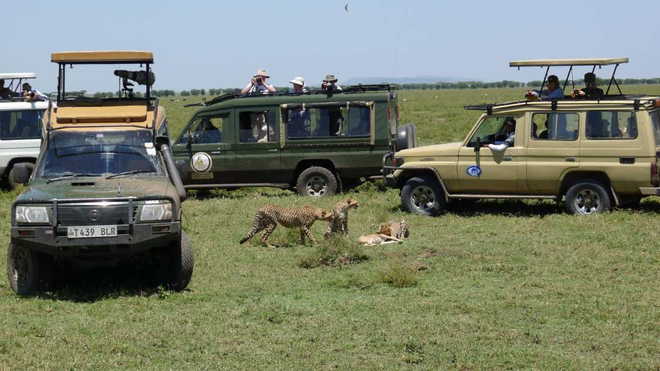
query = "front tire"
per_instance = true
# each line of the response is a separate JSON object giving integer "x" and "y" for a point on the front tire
{"x": 587, "y": 198}
{"x": 316, "y": 181}
{"x": 28, "y": 270}
{"x": 11, "y": 183}
{"x": 423, "y": 196}
{"x": 181, "y": 263}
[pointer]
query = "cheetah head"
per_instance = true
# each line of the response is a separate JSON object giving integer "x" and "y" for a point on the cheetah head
{"x": 323, "y": 215}
{"x": 352, "y": 203}
{"x": 385, "y": 229}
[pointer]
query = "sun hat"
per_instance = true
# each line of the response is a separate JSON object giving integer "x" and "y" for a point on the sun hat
{"x": 553, "y": 78}
{"x": 330, "y": 78}
{"x": 298, "y": 81}
{"x": 262, "y": 73}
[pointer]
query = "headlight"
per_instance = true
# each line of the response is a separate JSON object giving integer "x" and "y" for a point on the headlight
{"x": 154, "y": 212}
{"x": 31, "y": 214}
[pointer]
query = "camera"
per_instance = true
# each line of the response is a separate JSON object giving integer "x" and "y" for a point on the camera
{"x": 32, "y": 95}
{"x": 259, "y": 79}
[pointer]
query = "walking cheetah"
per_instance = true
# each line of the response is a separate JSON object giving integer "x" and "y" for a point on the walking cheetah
{"x": 339, "y": 222}
{"x": 269, "y": 216}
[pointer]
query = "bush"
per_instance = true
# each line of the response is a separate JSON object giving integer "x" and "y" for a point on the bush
{"x": 398, "y": 274}
{"x": 333, "y": 252}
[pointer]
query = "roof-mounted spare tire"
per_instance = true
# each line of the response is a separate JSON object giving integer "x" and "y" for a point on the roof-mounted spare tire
{"x": 406, "y": 137}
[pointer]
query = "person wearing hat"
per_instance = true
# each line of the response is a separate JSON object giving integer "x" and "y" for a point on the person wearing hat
{"x": 508, "y": 137}
{"x": 553, "y": 92}
{"x": 298, "y": 85}
{"x": 330, "y": 84}
{"x": 258, "y": 84}
{"x": 32, "y": 95}
{"x": 590, "y": 91}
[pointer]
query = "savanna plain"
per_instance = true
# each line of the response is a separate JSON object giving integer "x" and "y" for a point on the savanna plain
{"x": 488, "y": 285}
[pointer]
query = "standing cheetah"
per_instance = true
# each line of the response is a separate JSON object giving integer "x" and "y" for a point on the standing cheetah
{"x": 269, "y": 216}
{"x": 339, "y": 222}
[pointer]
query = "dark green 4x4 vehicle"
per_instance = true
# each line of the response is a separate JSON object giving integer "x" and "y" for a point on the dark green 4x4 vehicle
{"x": 316, "y": 142}
{"x": 104, "y": 190}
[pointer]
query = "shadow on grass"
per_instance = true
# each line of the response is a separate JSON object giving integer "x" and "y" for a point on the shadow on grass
{"x": 91, "y": 285}
{"x": 238, "y": 194}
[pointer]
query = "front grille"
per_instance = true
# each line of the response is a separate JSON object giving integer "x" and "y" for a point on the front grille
{"x": 93, "y": 214}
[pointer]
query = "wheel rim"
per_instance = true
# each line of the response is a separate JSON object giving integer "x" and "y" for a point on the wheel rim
{"x": 20, "y": 266}
{"x": 316, "y": 186}
{"x": 587, "y": 201}
{"x": 422, "y": 198}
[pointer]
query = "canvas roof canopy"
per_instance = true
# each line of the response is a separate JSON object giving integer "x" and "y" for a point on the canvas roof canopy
{"x": 568, "y": 62}
{"x": 25, "y": 75}
{"x": 105, "y": 57}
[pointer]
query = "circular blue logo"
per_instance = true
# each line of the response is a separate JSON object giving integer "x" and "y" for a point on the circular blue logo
{"x": 473, "y": 170}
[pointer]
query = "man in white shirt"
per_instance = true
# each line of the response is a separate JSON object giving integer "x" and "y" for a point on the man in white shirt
{"x": 258, "y": 84}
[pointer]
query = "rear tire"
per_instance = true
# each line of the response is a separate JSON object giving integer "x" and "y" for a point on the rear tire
{"x": 28, "y": 270}
{"x": 11, "y": 184}
{"x": 587, "y": 198}
{"x": 316, "y": 181}
{"x": 423, "y": 196}
{"x": 181, "y": 263}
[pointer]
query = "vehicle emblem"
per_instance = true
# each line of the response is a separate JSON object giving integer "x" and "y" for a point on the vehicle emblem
{"x": 94, "y": 215}
{"x": 473, "y": 170}
{"x": 201, "y": 162}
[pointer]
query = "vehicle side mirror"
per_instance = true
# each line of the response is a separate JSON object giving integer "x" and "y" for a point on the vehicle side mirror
{"x": 21, "y": 173}
{"x": 477, "y": 146}
{"x": 161, "y": 139}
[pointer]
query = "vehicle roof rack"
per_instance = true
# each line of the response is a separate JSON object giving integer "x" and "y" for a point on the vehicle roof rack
{"x": 102, "y": 57}
{"x": 351, "y": 89}
{"x": 635, "y": 99}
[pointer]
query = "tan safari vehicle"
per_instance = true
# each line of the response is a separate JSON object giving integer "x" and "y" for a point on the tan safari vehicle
{"x": 592, "y": 152}
{"x": 104, "y": 191}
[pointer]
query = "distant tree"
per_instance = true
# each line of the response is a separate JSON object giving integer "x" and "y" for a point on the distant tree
{"x": 185, "y": 93}
{"x": 202, "y": 92}
{"x": 194, "y": 92}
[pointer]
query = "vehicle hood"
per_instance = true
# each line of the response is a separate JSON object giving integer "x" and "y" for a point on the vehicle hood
{"x": 99, "y": 187}
{"x": 436, "y": 150}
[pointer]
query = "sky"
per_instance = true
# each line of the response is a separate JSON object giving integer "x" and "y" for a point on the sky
{"x": 219, "y": 44}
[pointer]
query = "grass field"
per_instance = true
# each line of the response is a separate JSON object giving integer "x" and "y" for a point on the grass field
{"x": 489, "y": 285}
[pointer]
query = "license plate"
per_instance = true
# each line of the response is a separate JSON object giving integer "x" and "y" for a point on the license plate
{"x": 91, "y": 232}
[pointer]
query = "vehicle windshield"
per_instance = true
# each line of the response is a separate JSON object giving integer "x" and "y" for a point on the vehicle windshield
{"x": 100, "y": 154}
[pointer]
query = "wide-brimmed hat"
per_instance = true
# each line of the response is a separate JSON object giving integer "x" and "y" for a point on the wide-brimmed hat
{"x": 330, "y": 78}
{"x": 262, "y": 73}
{"x": 298, "y": 81}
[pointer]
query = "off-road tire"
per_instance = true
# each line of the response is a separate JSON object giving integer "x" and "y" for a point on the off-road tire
{"x": 181, "y": 263}
{"x": 423, "y": 196}
{"x": 28, "y": 270}
{"x": 587, "y": 198}
{"x": 316, "y": 181}
{"x": 11, "y": 184}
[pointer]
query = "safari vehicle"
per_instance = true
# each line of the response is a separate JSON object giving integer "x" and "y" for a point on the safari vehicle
{"x": 104, "y": 190}
{"x": 315, "y": 142}
{"x": 594, "y": 153}
{"x": 20, "y": 126}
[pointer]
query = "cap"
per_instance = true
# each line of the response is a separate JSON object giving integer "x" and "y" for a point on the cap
{"x": 298, "y": 81}
{"x": 553, "y": 78}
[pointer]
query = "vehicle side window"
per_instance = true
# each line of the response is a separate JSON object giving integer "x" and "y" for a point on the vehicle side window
{"x": 257, "y": 127}
{"x": 611, "y": 125}
{"x": 205, "y": 130}
{"x": 309, "y": 123}
{"x": 20, "y": 125}
{"x": 164, "y": 130}
{"x": 490, "y": 131}
{"x": 555, "y": 126}
{"x": 655, "y": 119}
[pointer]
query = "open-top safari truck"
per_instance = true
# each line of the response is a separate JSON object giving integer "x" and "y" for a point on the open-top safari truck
{"x": 104, "y": 190}
{"x": 594, "y": 151}
{"x": 20, "y": 125}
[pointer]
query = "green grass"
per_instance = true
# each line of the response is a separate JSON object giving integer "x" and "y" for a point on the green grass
{"x": 489, "y": 285}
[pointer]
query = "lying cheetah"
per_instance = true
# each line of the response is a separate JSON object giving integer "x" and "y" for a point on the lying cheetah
{"x": 339, "y": 222}
{"x": 269, "y": 216}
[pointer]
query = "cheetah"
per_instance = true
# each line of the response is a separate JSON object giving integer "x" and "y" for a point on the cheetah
{"x": 268, "y": 216}
{"x": 398, "y": 230}
{"x": 339, "y": 222}
{"x": 381, "y": 238}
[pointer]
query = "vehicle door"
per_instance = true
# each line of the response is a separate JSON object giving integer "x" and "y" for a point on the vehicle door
{"x": 206, "y": 145}
{"x": 258, "y": 148}
{"x": 20, "y": 134}
{"x": 553, "y": 149}
{"x": 482, "y": 170}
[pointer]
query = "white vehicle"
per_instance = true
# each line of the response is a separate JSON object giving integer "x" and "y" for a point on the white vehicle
{"x": 20, "y": 125}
